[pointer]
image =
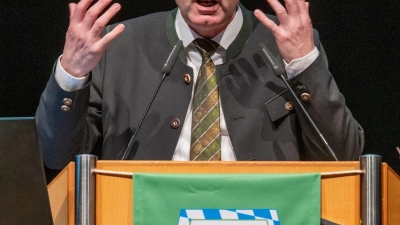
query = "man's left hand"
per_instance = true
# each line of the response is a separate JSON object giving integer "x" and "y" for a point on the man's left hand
{"x": 294, "y": 35}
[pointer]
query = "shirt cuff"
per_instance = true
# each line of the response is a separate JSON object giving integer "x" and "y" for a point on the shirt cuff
{"x": 297, "y": 66}
{"x": 68, "y": 82}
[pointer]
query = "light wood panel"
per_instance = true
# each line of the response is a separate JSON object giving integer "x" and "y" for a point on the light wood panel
{"x": 61, "y": 194}
{"x": 390, "y": 196}
{"x": 339, "y": 195}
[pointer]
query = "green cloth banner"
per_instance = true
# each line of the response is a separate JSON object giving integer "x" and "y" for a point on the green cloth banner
{"x": 159, "y": 198}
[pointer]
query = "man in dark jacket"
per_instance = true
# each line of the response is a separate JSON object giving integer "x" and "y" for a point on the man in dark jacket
{"x": 102, "y": 83}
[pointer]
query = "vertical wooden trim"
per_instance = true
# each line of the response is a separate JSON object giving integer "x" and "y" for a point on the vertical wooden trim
{"x": 58, "y": 196}
{"x": 393, "y": 196}
{"x": 71, "y": 193}
{"x": 384, "y": 190}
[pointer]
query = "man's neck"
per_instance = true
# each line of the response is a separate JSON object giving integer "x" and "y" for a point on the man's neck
{"x": 224, "y": 37}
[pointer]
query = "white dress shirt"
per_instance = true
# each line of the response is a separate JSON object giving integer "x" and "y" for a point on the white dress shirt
{"x": 187, "y": 35}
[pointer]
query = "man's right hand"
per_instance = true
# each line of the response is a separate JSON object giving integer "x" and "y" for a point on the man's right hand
{"x": 84, "y": 45}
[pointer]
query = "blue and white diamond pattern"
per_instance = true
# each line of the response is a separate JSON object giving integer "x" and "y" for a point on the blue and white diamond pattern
{"x": 228, "y": 216}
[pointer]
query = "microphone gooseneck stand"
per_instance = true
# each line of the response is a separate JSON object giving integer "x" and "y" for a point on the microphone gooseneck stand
{"x": 280, "y": 72}
{"x": 166, "y": 70}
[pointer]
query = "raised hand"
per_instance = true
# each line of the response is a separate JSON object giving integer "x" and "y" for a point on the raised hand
{"x": 84, "y": 45}
{"x": 294, "y": 34}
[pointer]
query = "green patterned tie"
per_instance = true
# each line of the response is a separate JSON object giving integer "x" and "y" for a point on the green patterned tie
{"x": 206, "y": 134}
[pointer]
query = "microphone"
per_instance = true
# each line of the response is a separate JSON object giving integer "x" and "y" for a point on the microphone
{"x": 279, "y": 71}
{"x": 169, "y": 64}
{"x": 166, "y": 70}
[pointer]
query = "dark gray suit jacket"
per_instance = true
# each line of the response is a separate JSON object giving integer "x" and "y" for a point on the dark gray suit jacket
{"x": 104, "y": 114}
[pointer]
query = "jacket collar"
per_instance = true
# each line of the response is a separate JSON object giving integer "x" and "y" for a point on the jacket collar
{"x": 233, "y": 49}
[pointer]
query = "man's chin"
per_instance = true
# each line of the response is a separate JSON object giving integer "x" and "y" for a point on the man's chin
{"x": 202, "y": 20}
{"x": 207, "y": 28}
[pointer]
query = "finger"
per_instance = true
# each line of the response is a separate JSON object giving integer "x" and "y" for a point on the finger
{"x": 271, "y": 25}
{"x": 103, "y": 20}
{"x": 305, "y": 16}
{"x": 72, "y": 7}
{"x": 93, "y": 13}
{"x": 297, "y": 7}
{"x": 109, "y": 37}
{"x": 80, "y": 11}
{"x": 304, "y": 12}
{"x": 292, "y": 7}
{"x": 308, "y": 11}
{"x": 279, "y": 10}
{"x": 303, "y": 5}
{"x": 307, "y": 7}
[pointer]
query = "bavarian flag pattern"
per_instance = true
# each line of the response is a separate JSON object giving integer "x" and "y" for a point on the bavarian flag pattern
{"x": 228, "y": 217}
{"x": 221, "y": 199}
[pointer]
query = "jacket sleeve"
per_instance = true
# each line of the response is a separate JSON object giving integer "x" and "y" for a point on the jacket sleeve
{"x": 67, "y": 125}
{"x": 328, "y": 109}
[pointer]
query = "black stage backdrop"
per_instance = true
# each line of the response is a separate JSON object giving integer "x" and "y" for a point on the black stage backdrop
{"x": 361, "y": 39}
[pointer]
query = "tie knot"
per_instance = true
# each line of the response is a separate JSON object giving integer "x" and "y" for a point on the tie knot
{"x": 205, "y": 46}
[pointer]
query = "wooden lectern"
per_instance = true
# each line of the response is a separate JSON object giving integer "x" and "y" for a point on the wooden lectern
{"x": 340, "y": 194}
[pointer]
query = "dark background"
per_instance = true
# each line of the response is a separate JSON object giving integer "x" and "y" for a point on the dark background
{"x": 361, "y": 39}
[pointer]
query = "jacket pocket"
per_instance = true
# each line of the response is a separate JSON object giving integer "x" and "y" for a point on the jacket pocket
{"x": 278, "y": 106}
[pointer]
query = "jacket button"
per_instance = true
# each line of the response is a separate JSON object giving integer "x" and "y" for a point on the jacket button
{"x": 305, "y": 97}
{"x": 289, "y": 106}
{"x": 187, "y": 79}
{"x": 175, "y": 123}
{"x": 67, "y": 101}
{"x": 65, "y": 108}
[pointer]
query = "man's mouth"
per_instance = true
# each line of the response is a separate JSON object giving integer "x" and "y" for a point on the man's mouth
{"x": 207, "y": 3}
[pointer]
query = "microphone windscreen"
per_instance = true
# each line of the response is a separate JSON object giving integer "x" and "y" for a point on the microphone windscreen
{"x": 169, "y": 64}
{"x": 273, "y": 63}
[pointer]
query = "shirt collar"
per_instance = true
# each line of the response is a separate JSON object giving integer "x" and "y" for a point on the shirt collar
{"x": 224, "y": 38}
